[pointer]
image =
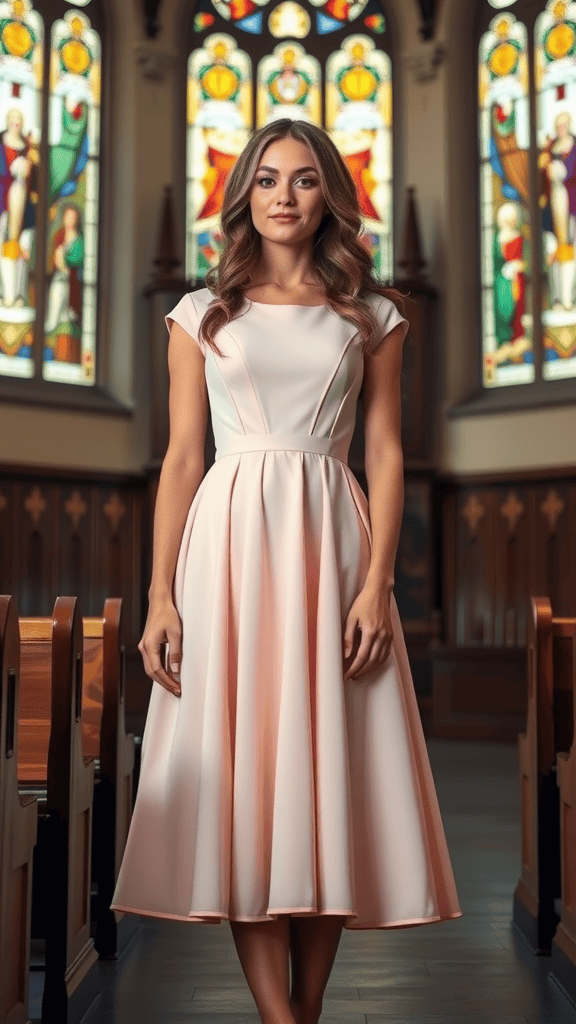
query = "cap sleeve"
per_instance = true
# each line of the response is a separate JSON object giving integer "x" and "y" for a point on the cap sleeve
{"x": 388, "y": 316}
{"x": 186, "y": 314}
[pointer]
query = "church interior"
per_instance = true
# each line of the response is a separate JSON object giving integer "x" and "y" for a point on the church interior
{"x": 119, "y": 122}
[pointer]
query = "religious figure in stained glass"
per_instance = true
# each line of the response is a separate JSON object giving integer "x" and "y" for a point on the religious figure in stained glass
{"x": 288, "y": 85}
{"x": 359, "y": 119}
{"x": 504, "y": 188}
{"x": 219, "y": 114}
{"x": 64, "y": 304}
{"x": 74, "y": 129}
{"x": 510, "y": 251}
{"x": 555, "y": 53}
{"x": 21, "y": 68}
{"x": 18, "y": 185}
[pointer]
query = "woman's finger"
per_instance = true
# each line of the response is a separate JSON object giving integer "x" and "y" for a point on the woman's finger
{"x": 158, "y": 672}
{"x": 363, "y": 663}
{"x": 360, "y": 657}
{"x": 164, "y": 680}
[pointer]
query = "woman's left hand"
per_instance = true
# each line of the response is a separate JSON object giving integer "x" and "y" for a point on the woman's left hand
{"x": 370, "y": 612}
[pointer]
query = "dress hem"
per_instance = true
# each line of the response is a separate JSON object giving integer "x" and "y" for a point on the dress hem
{"x": 213, "y": 917}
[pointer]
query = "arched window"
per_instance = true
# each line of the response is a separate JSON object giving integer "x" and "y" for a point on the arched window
{"x": 252, "y": 61}
{"x": 50, "y": 83}
{"x": 527, "y": 189}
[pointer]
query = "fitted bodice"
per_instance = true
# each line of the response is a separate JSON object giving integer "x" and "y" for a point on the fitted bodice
{"x": 289, "y": 375}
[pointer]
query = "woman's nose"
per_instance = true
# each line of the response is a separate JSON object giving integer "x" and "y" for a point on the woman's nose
{"x": 285, "y": 192}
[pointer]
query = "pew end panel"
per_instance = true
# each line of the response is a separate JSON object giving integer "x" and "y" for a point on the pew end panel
{"x": 550, "y": 675}
{"x": 52, "y": 652}
{"x": 564, "y": 941}
{"x": 18, "y": 833}
{"x": 113, "y": 796}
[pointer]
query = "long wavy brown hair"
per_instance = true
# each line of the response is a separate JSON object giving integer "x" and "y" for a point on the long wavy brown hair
{"x": 342, "y": 262}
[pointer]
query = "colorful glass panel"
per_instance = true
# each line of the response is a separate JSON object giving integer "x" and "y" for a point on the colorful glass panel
{"x": 244, "y": 14}
{"x": 335, "y": 13}
{"x": 289, "y": 19}
{"x": 288, "y": 79}
{"x": 504, "y": 136}
{"x": 21, "y": 73}
{"x": 219, "y": 119}
{"x": 555, "y": 79}
{"x": 288, "y": 85}
{"x": 359, "y": 120}
{"x": 72, "y": 201}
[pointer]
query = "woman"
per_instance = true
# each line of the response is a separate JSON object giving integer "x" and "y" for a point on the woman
{"x": 285, "y": 784}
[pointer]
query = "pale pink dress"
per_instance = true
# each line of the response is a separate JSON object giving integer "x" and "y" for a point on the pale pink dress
{"x": 272, "y": 786}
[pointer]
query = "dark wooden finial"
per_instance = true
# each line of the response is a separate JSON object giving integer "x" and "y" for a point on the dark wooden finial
{"x": 412, "y": 261}
{"x": 167, "y": 259}
{"x": 150, "y": 10}
{"x": 428, "y": 12}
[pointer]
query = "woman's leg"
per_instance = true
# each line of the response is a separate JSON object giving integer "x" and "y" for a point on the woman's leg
{"x": 313, "y": 945}
{"x": 263, "y": 950}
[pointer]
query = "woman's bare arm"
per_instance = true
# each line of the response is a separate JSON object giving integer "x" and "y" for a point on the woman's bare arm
{"x": 183, "y": 466}
{"x": 384, "y": 462}
{"x": 181, "y": 475}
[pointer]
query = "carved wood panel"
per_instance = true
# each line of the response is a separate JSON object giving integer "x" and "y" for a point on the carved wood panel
{"x": 72, "y": 534}
{"x": 504, "y": 541}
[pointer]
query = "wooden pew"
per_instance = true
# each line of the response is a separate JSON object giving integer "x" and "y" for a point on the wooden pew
{"x": 105, "y": 739}
{"x": 563, "y": 966}
{"x": 52, "y": 765}
{"x": 549, "y": 733}
{"x": 18, "y": 826}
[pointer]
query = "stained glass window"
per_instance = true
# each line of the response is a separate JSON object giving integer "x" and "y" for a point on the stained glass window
{"x": 49, "y": 187}
{"x": 527, "y": 191}
{"x": 252, "y": 61}
{"x": 555, "y": 54}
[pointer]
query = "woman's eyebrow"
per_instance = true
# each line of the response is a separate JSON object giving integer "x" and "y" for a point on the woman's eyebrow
{"x": 265, "y": 167}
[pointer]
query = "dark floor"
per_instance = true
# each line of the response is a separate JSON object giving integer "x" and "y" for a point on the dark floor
{"x": 474, "y": 970}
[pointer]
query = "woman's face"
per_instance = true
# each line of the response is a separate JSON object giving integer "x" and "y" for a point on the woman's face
{"x": 287, "y": 181}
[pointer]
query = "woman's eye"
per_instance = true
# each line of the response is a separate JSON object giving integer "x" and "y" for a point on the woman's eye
{"x": 309, "y": 180}
{"x": 262, "y": 180}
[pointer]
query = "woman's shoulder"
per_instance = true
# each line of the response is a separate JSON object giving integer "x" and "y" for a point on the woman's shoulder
{"x": 376, "y": 299}
{"x": 201, "y": 297}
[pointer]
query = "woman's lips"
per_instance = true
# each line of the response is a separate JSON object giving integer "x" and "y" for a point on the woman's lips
{"x": 284, "y": 216}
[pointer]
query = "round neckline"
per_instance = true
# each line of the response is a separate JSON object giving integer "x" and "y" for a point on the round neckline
{"x": 281, "y": 305}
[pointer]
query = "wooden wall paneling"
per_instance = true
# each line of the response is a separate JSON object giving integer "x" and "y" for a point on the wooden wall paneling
{"x": 37, "y": 529}
{"x": 511, "y": 561}
{"x": 552, "y": 502}
{"x": 76, "y": 549}
{"x": 449, "y": 541}
{"x": 115, "y": 567}
{"x": 7, "y": 510}
{"x": 138, "y": 531}
{"x": 415, "y": 557}
{"x": 119, "y": 573}
{"x": 479, "y": 692}
{"x": 475, "y": 585}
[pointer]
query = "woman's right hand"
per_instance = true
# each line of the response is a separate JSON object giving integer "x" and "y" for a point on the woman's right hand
{"x": 162, "y": 625}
